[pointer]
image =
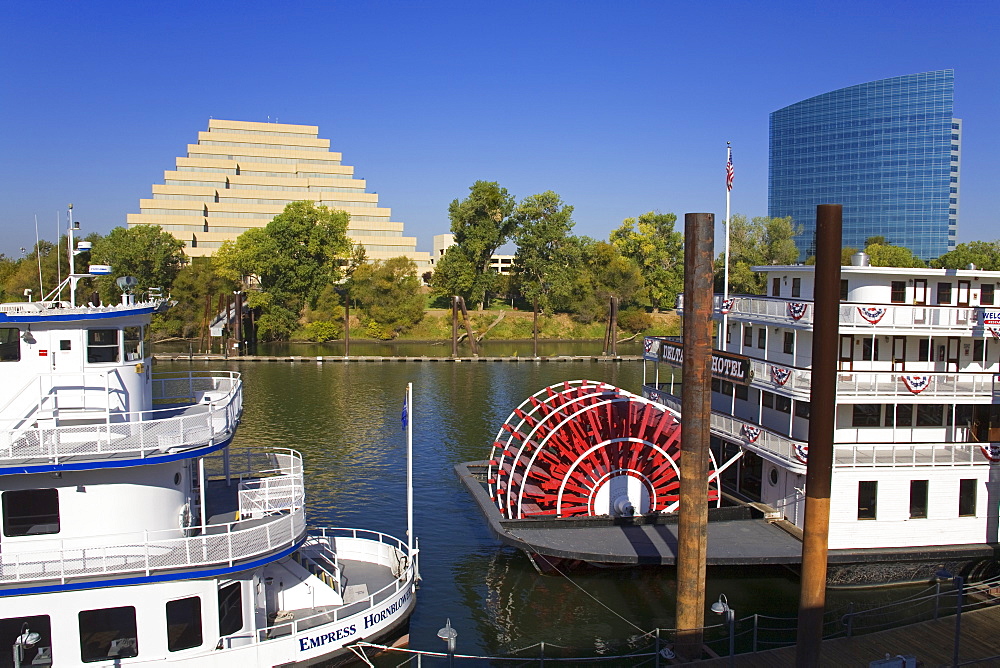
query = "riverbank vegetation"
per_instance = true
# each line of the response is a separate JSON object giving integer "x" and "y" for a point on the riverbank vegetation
{"x": 298, "y": 275}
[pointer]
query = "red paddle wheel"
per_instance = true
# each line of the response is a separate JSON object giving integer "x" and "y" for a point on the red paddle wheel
{"x": 587, "y": 448}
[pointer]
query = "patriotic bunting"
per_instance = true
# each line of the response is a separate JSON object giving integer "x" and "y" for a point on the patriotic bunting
{"x": 872, "y": 313}
{"x": 991, "y": 451}
{"x": 916, "y": 384}
{"x": 780, "y": 375}
{"x": 796, "y": 310}
{"x": 802, "y": 452}
{"x": 750, "y": 433}
{"x": 995, "y": 331}
{"x": 727, "y": 305}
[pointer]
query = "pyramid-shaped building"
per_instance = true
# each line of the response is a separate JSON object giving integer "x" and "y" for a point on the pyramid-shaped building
{"x": 241, "y": 174}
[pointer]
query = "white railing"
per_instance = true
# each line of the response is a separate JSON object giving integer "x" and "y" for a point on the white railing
{"x": 903, "y": 316}
{"x": 153, "y": 551}
{"x": 845, "y": 454}
{"x": 140, "y": 433}
{"x": 767, "y": 441}
{"x": 869, "y": 384}
{"x": 270, "y": 481}
{"x": 360, "y": 545}
{"x": 908, "y": 454}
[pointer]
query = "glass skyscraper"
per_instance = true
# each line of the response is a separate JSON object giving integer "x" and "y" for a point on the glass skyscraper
{"x": 888, "y": 151}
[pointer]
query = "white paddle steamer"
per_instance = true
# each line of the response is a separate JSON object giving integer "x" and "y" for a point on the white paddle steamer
{"x": 132, "y": 532}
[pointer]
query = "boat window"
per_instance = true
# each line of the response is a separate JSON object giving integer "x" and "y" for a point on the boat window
{"x": 898, "y": 293}
{"x": 869, "y": 349}
{"x": 930, "y": 415}
{"x": 789, "y": 345}
{"x": 979, "y": 350}
{"x": 783, "y": 403}
{"x": 133, "y": 344}
{"x": 924, "y": 350}
{"x": 748, "y": 336}
{"x": 944, "y": 293}
{"x": 39, "y": 654}
{"x": 904, "y": 415}
{"x": 766, "y": 399}
{"x": 108, "y": 633}
{"x": 742, "y": 392}
{"x": 867, "y": 415}
{"x": 762, "y": 337}
{"x": 844, "y": 291}
{"x": 102, "y": 345}
{"x": 30, "y": 512}
{"x": 184, "y": 623}
{"x": 867, "y": 499}
{"x": 967, "y": 497}
{"x": 230, "y": 609}
{"x": 10, "y": 344}
{"x": 986, "y": 294}
{"x": 776, "y": 287}
{"x": 918, "y": 499}
{"x": 802, "y": 409}
{"x": 796, "y": 287}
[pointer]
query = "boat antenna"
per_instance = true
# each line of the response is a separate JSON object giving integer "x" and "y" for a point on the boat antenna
{"x": 38, "y": 256}
{"x": 58, "y": 258}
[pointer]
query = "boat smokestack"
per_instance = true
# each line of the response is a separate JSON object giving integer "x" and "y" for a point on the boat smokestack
{"x": 860, "y": 259}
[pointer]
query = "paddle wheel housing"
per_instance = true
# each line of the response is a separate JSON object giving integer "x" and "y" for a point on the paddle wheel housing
{"x": 584, "y": 448}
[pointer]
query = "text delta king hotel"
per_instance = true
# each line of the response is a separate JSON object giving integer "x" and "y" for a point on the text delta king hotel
{"x": 348, "y": 631}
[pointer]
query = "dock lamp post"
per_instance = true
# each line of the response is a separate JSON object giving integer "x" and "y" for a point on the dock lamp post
{"x": 25, "y": 640}
{"x": 722, "y": 607}
{"x": 449, "y": 635}
{"x": 960, "y": 586}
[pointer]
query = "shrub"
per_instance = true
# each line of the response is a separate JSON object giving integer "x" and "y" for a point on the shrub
{"x": 634, "y": 320}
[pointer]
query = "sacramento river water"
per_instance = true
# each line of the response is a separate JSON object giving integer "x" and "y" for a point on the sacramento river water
{"x": 345, "y": 419}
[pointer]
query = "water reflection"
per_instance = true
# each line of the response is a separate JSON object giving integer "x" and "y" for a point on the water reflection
{"x": 345, "y": 419}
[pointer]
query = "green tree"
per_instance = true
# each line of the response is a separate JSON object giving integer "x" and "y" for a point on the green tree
{"x": 983, "y": 254}
{"x": 147, "y": 252}
{"x": 197, "y": 281}
{"x": 481, "y": 223}
{"x": 887, "y": 255}
{"x": 753, "y": 243}
{"x": 653, "y": 244}
{"x": 603, "y": 273}
{"x": 294, "y": 258}
{"x": 389, "y": 295}
{"x": 543, "y": 261}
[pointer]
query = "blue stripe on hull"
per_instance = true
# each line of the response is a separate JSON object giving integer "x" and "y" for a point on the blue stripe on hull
{"x": 117, "y": 463}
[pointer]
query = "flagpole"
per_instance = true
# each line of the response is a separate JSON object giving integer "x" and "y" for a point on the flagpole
{"x": 725, "y": 271}
{"x": 409, "y": 471}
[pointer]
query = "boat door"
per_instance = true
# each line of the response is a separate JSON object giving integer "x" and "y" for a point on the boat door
{"x": 846, "y": 351}
{"x": 899, "y": 353}
{"x": 963, "y": 293}
{"x": 920, "y": 291}
{"x": 954, "y": 344}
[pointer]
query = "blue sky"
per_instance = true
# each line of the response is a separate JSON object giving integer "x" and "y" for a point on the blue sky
{"x": 620, "y": 107}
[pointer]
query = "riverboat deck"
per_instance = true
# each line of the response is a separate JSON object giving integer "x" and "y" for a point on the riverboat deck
{"x": 741, "y": 540}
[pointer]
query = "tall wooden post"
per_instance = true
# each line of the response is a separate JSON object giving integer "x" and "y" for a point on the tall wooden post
{"x": 534, "y": 327}
{"x": 454, "y": 326}
{"x": 696, "y": 413}
{"x": 819, "y": 469}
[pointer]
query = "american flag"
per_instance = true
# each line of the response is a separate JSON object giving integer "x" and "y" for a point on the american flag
{"x": 729, "y": 171}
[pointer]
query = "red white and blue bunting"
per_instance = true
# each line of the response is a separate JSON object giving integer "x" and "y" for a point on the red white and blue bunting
{"x": 727, "y": 305}
{"x": 916, "y": 384}
{"x": 780, "y": 375}
{"x": 991, "y": 451}
{"x": 872, "y": 313}
{"x": 797, "y": 310}
{"x": 802, "y": 452}
{"x": 750, "y": 433}
{"x": 995, "y": 331}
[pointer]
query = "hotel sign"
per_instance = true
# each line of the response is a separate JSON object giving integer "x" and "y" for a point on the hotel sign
{"x": 725, "y": 366}
{"x": 991, "y": 317}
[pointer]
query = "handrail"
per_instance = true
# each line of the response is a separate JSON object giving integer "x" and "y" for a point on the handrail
{"x": 120, "y": 554}
{"x": 403, "y": 580}
{"x": 138, "y": 433}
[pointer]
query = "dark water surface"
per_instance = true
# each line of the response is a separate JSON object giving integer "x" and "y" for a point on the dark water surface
{"x": 345, "y": 419}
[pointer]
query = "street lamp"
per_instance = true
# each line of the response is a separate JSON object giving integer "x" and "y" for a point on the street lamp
{"x": 722, "y": 607}
{"x": 25, "y": 640}
{"x": 960, "y": 586}
{"x": 449, "y": 635}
